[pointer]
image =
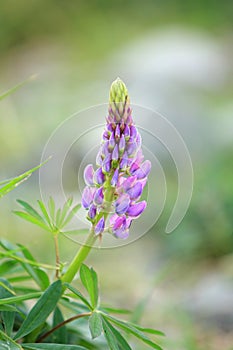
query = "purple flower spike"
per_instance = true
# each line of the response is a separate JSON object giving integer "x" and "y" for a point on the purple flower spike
{"x": 87, "y": 196}
{"x": 99, "y": 228}
{"x": 122, "y": 204}
{"x": 113, "y": 190}
{"x": 135, "y": 210}
{"x": 99, "y": 176}
{"x": 115, "y": 178}
{"x": 92, "y": 212}
{"x": 136, "y": 191}
{"x": 99, "y": 196}
{"x": 88, "y": 175}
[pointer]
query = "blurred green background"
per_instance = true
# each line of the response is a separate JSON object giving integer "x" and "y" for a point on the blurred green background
{"x": 175, "y": 57}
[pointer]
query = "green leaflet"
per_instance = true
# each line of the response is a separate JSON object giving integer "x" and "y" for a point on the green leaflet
{"x": 52, "y": 347}
{"x": 118, "y": 337}
{"x": 9, "y": 185}
{"x": 129, "y": 328}
{"x": 8, "y": 343}
{"x": 90, "y": 281}
{"x": 41, "y": 310}
{"x": 95, "y": 325}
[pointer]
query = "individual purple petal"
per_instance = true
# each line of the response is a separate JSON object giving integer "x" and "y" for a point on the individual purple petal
{"x": 131, "y": 148}
{"x": 121, "y": 233}
{"x": 135, "y": 210}
{"x": 105, "y": 151}
{"x": 99, "y": 176}
{"x": 135, "y": 191}
{"x": 99, "y": 196}
{"x": 124, "y": 161}
{"x": 119, "y": 222}
{"x": 127, "y": 132}
{"x": 99, "y": 228}
{"x": 92, "y": 211}
{"x": 115, "y": 153}
{"x": 99, "y": 159}
{"x": 128, "y": 183}
{"x": 107, "y": 164}
{"x": 134, "y": 166}
{"x": 112, "y": 142}
{"x": 122, "y": 204}
{"x": 87, "y": 196}
{"x": 144, "y": 170}
{"x": 105, "y": 135}
{"x": 133, "y": 132}
{"x": 117, "y": 132}
{"x": 139, "y": 140}
{"x": 115, "y": 177}
{"x": 122, "y": 144}
{"x": 88, "y": 175}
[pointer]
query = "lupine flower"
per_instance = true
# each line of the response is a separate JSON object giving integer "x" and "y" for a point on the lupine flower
{"x": 113, "y": 190}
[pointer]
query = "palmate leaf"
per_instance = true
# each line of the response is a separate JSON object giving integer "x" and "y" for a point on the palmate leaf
{"x": 129, "y": 328}
{"x": 8, "y": 185}
{"x": 90, "y": 281}
{"x": 41, "y": 310}
{"x": 50, "y": 219}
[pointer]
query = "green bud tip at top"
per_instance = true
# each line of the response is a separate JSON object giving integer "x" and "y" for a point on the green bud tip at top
{"x": 118, "y": 92}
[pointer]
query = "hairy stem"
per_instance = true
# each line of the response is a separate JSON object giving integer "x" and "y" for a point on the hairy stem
{"x": 59, "y": 325}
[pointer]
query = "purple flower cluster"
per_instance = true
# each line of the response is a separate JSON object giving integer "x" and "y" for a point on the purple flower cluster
{"x": 113, "y": 191}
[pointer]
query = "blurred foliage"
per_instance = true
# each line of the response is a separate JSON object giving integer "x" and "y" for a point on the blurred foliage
{"x": 25, "y": 20}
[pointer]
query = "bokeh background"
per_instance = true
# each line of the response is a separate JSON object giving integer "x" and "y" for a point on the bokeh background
{"x": 175, "y": 57}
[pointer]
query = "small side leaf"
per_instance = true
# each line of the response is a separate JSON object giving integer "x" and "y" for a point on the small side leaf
{"x": 95, "y": 325}
{"x": 41, "y": 310}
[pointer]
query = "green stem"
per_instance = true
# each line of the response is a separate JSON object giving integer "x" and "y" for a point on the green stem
{"x": 86, "y": 248}
{"x": 79, "y": 258}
